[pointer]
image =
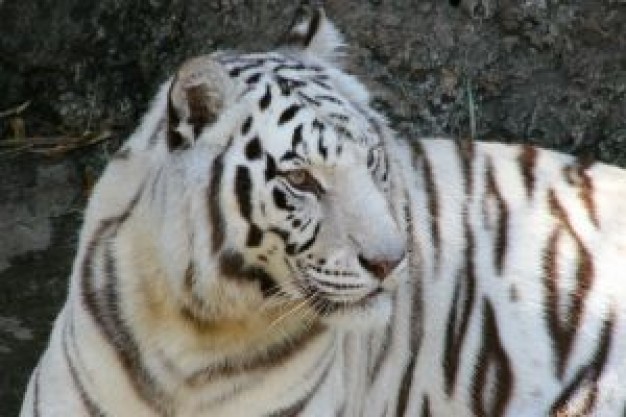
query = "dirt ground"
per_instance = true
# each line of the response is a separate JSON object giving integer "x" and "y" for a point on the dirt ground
{"x": 75, "y": 76}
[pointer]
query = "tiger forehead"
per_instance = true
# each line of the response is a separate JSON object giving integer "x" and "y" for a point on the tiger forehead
{"x": 285, "y": 86}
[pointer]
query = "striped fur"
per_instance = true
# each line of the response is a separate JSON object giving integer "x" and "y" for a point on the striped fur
{"x": 520, "y": 252}
{"x": 262, "y": 246}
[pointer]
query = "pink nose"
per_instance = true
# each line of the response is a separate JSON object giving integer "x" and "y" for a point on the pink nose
{"x": 380, "y": 268}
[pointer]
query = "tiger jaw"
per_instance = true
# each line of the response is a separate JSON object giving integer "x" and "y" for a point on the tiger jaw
{"x": 345, "y": 290}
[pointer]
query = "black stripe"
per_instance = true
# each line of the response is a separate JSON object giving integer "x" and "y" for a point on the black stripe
{"x": 287, "y": 85}
{"x": 270, "y": 168}
{"x": 245, "y": 128}
{"x": 243, "y": 191}
{"x": 280, "y": 200}
{"x": 290, "y": 67}
{"x": 288, "y": 114}
{"x": 215, "y": 213}
{"x": 254, "y": 78}
{"x": 255, "y": 236}
{"x": 266, "y": 99}
{"x": 253, "y": 149}
{"x": 296, "y": 138}
{"x": 235, "y": 72}
{"x": 314, "y": 26}
{"x": 310, "y": 242}
{"x": 308, "y": 99}
{"x": 330, "y": 98}
{"x": 323, "y": 150}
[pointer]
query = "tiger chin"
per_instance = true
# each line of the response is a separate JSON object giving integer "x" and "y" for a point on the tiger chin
{"x": 219, "y": 259}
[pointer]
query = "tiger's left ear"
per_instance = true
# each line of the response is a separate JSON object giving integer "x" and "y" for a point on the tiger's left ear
{"x": 313, "y": 33}
{"x": 196, "y": 99}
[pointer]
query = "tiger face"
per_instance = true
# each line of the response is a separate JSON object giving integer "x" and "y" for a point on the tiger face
{"x": 299, "y": 187}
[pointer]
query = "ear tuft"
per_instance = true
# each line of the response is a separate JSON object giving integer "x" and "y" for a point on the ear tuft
{"x": 313, "y": 33}
{"x": 197, "y": 97}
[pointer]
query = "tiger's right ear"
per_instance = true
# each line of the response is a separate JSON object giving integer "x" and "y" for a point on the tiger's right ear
{"x": 196, "y": 99}
{"x": 313, "y": 33}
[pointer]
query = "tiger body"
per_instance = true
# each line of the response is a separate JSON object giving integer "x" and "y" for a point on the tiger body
{"x": 519, "y": 309}
{"x": 262, "y": 246}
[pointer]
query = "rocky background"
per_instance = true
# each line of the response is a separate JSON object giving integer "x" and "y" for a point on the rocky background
{"x": 75, "y": 76}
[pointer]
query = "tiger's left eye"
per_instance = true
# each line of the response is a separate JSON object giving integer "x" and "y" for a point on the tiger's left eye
{"x": 302, "y": 180}
{"x": 297, "y": 177}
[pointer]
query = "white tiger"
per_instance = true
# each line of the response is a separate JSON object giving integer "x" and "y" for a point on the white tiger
{"x": 262, "y": 246}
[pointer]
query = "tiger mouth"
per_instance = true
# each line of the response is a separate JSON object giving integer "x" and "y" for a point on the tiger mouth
{"x": 327, "y": 307}
{"x": 322, "y": 303}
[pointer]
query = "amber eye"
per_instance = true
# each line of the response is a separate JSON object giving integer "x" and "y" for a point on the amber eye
{"x": 297, "y": 177}
{"x": 303, "y": 181}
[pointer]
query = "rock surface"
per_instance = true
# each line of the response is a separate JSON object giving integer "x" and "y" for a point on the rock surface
{"x": 547, "y": 72}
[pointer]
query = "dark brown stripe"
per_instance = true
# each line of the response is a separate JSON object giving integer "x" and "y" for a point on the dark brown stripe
{"x": 563, "y": 329}
{"x": 502, "y": 228}
{"x": 272, "y": 358}
{"x": 465, "y": 151}
{"x": 92, "y": 408}
{"x": 426, "y": 407}
{"x": 215, "y": 213}
{"x": 298, "y": 406}
{"x": 405, "y": 387}
{"x": 585, "y": 382}
{"x": 103, "y": 306}
{"x": 419, "y": 156}
{"x": 491, "y": 400}
{"x": 233, "y": 266}
{"x": 383, "y": 352}
{"x": 460, "y": 311}
{"x": 577, "y": 176}
{"x": 527, "y": 161}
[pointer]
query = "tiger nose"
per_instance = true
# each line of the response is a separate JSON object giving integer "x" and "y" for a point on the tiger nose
{"x": 380, "y": 268}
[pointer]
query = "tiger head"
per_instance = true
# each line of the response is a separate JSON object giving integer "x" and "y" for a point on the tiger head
{"x": 297, "y": 202}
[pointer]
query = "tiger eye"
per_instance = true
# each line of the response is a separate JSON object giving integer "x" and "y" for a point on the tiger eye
{"x": 298, "y": 177}
{"x": 302, "y": 180}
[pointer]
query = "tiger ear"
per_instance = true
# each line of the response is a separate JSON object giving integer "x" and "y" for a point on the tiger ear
{"x": 313, "y": 33}
{"x": 196, "y": 99}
